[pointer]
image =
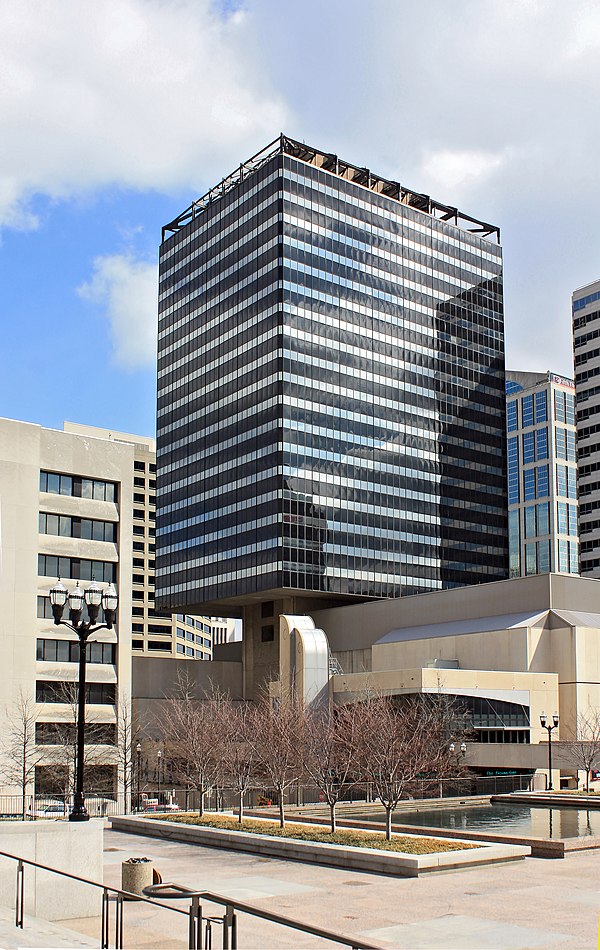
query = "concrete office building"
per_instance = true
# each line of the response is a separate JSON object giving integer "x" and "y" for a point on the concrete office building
{"x": 542, "y": 474}
{"x": 586, "y": 347}
{"x": 504, "y": 651}
{"x": 154, "y": 633}
{"x": 65, "y": 511}
{"x": 331, "y": 407}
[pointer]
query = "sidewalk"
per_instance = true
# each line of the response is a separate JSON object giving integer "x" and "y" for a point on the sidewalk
{"x": 535, "y": 903}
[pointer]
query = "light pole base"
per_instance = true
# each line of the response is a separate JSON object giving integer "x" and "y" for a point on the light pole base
{"x": 79, "y": 811}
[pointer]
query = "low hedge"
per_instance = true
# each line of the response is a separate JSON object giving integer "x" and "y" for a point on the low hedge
{"x": 348, "y": 837}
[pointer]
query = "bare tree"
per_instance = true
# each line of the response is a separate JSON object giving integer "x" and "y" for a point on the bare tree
{"x": 127, "y": 736}
{"x": 240, "y": 760}
{"x": 62, "y": 754}
{"x": 583, "y": 749}
{"x": 398, "y": 743}
{"x": 20, "y": 753}
{"x": 278, "y": 738}
{"x": 191, "y": 732}
{"x": 330, "y": 752}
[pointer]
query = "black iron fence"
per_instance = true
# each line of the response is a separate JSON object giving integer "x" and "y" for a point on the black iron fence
{"x": 226, "y": 799}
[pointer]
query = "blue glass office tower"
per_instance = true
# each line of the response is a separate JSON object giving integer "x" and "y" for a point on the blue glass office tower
{"x": 331, "y": 412}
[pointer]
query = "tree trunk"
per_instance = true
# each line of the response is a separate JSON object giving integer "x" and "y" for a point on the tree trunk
{"x": 241, "y": 814}
{"x": 332, "y": 815}
{"x": 201, "y": 808}
{"x": 388, "y": 823}
{"x": 587, "y": 780}
{"x": 281, "y": 811}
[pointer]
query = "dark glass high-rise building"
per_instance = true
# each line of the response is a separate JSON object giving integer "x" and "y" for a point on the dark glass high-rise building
{"x": 331, "y": 410}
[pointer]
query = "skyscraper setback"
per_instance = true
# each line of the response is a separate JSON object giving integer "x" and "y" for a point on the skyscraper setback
{"x": 331, "y": 418}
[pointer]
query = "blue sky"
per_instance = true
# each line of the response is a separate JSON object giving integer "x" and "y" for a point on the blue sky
{"x": 114, "y": 116}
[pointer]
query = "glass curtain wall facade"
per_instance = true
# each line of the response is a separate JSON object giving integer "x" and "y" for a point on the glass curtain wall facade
{"x": 586, "y": 348}
{"x": 331, "y": 412}
{"x": 542, "y": 474}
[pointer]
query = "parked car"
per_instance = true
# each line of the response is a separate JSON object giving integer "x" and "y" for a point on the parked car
{"x": 154, "y": 808}
{"x": 48, "y": 809}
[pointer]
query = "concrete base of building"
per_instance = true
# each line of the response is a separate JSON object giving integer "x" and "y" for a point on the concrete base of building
{"x": 357, "y": 859}
{"x": 73, "y": 847}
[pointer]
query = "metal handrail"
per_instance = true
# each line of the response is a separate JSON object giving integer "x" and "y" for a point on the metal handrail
{"x": 253, "y": 911}
{"x": 193, "y": 914}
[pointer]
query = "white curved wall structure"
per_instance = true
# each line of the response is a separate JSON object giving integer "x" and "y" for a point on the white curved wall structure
{"x": 304, "y": 659}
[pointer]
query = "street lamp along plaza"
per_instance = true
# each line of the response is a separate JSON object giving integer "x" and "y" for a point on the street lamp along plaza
{"x": 549, "y": 729}
{"x": 94, "y": 598}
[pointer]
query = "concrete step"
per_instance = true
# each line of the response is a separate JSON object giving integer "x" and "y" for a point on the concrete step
{"x": 39, "y": 933}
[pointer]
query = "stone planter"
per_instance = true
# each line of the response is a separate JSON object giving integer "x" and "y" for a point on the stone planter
{"x": 136, "y": 874}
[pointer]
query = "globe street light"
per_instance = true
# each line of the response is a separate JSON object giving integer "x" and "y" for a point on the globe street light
{"x": 94, "y": 598}
{"x": 158, "y": 761}
{"x": 549, "y": 729}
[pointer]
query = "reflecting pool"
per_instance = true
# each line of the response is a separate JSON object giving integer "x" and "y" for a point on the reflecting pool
{"x": 500, "y": 819}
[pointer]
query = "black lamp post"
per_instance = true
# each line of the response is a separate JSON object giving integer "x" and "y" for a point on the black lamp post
{"x": 94, "y": 597}
{"x": 138, "y": 749}
{"x": 158, "y": 764}
{"x": 549, "y": 729}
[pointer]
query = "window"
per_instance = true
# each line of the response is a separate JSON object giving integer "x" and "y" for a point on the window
{"x": 152, "y": 467}
{"x": 138, "y": 498}
{"x": 530, "y": 527}
{"x": 542, "y": 481}
{"x": 572, "y": 516}
{"x": 527, "y": 411}
{"x": 563, "y": 556}
{"x": 138, "y": 562}
{"x": 561, "y": 519}
{"x": 138, "y": 529}
{"x": 54, "y": 691}
{"x": 570, "y": 409}
{"x": 267, "y": 633}
{"x": 180, "y": 648}
{"x": 559, "y": 406}
{"x": 139, "y": 482}
{"x": 139, "y": 466}
{"x": 58, "y": 484}
{"x": 50, "y": 565}
{"x": 543, "y": 557}
{"x": 67, "y": 651}
{"x": 530, "y": 558}
{"x": 543, "y": 518}
{"x": 541, "y": 444}
{"x": 529, "y": 484}
{"x": 267, "y": 609}
{"x": 68, "y": 527}
{"x": 59, "y": 733}
{"x": 139, "y": 513}
{"x": 138, "y": 545}
{"x": 137, "y": 627}
{"x": 541, "y": 407}
{"x": 511, "y": 416}
{"x": 528, "y": 447}
{"x": 513, "y": 471}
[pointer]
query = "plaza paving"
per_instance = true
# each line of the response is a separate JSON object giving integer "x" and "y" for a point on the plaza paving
{"x": 532, "y": 903}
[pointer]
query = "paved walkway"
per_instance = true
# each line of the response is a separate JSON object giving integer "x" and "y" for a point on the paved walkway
{"x": 38, "y": 933}
{"x": 534, "y": 903}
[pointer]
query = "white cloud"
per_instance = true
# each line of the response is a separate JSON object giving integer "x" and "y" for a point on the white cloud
{"x": 138, "y": 93}
{"x": 126, "y": 289}
{"x": 456, "y": 169}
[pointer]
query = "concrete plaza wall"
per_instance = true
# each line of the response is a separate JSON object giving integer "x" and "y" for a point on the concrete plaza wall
{"x": 75, "y": 847}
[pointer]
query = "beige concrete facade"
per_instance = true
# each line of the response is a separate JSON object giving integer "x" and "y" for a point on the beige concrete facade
{"x": 534, "y": 641}
{"x": 33, "y": 552}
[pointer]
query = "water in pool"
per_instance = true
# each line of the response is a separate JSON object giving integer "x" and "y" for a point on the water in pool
{"x": 501, "y": 819}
